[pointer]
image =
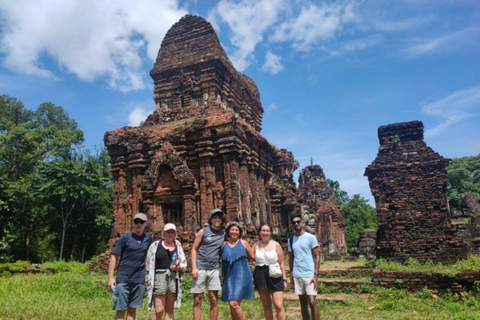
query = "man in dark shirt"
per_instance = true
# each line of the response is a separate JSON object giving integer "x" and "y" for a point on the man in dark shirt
{"x": 129, "y": 287}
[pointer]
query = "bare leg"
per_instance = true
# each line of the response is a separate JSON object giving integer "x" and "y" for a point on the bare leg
{"x": 278, "y": 304}
{"x": 170, "y": 301}
{"x": 159, "y": 306}
{"x": 312, "y": 301}
{"x": 131, "y": 312}
{"x": 120, "y": 315}
{"x": 304, "y": 306}
{"x": 267, "y": 303}
{"x": 197, "y": 306}
{"x": 213, "y": 298}
{"x": 236, "y": 310}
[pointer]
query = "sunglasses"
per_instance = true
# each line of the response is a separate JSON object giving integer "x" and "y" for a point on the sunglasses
{"x": 138, "y": 221}
{"x": 297, "y": 221}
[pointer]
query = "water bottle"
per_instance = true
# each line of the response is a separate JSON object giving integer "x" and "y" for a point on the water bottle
{"x": 115, "y": 294}
{"x": 174, "y": 258}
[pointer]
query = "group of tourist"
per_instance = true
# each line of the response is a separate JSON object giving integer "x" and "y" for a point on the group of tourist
{"x": 219, "y": 261}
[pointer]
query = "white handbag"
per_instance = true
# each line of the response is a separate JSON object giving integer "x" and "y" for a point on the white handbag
{"x": 274, "y": 270}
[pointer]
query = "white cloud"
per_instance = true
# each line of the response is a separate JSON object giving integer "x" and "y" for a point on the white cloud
{"x": 137, "y": 115}
{"x": 315, "y": 23}
{"x": 456, "y": 107}
{"x": 272, "y": 107}
{"x": 402, "y": 24}
{"x": 248, "y": 20}
{"x": 88, "y": 38}
{"x": 449, "y": 41}
{"x": 272, "y": 65}
{"x": 356, "y": 45}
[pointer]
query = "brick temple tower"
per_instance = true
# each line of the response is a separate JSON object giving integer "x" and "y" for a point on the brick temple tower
{"x": 408, "y": 181}
{"x": 201, "y": 148}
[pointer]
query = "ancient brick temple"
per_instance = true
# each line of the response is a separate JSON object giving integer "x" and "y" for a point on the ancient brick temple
{"x": 408, "y": 181}
{"x": 201, "y": 148}
{"x": 325, "y": 219}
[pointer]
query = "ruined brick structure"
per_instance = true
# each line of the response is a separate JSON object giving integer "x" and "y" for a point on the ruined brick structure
{"x": 325, "y": 219}
{"x": 201, "y": 148}
{"x": 467, "y": 221}
{"x": 408, "y": 181}
{"x": 365, "y": 245}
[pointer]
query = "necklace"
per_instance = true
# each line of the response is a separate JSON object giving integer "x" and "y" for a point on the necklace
{"x": 232, "y": 244}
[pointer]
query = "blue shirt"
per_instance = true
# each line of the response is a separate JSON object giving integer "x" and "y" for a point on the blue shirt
{"x": 132, "y": 250}
{"x": 303, "y": 263}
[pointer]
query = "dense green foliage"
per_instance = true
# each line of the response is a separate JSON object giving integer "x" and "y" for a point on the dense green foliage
{"x": 359, "y": 217}
{"x": 463, "y": 175}
{"x": 52, "y": 190}
{"x": 341, "y": 196}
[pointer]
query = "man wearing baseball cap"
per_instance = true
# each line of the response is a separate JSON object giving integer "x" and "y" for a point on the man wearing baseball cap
{"x": 129, "y": 286}
{"x": 206, "y": 264}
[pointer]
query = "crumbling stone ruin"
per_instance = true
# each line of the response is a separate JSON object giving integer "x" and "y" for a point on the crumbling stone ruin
{"x": 201, "y": 148}
{"x": 325, "y": 219}
{"x": 408, "y": 181}
{"x": 365, "y": 245}
{"x": 467, "y": 221}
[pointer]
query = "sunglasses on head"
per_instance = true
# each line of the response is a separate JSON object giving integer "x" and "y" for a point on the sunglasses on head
{"x": 138, "y": 221}
{"x": 297, "y": 221}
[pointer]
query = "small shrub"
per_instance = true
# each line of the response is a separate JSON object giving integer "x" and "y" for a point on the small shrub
{"x": 17, "y": 266}
{"x": 5, "y": 274}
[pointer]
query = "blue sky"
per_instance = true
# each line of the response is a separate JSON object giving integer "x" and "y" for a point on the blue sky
{"x": 329, "y": 72}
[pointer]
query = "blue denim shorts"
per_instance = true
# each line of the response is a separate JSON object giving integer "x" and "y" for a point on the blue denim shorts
{"x": 129, "y": 295}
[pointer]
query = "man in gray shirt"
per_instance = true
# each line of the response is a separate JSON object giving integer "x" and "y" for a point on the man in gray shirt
{"x": 206, "y": 264}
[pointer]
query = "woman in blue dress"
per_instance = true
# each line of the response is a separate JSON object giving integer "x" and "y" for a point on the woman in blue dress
{"x": 237, "y": 281}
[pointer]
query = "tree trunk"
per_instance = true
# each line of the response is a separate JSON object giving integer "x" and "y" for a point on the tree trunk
{"x": 64, "y": 228}
{"x": 27, "y": 246}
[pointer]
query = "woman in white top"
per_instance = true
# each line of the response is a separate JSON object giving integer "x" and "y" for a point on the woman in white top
{"x": 268, "y": 251}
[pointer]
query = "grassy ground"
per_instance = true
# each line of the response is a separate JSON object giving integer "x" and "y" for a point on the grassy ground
{"x": 81, "y": 295}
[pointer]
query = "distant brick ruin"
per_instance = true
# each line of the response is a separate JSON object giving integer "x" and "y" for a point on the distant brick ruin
{"x": 467, "y": 221}
{"x": 325, "y": 219}
{"x": 408, "y": 181}
{"x": 201, "y": 147}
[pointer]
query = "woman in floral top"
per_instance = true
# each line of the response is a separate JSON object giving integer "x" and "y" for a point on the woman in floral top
{"x": 165, "y": 264}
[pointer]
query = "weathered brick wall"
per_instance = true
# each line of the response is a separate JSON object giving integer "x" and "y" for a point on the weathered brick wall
{"x": 408, "y": 182}
{"x": 317, "y": 200}
{"x": 414, "y": 281}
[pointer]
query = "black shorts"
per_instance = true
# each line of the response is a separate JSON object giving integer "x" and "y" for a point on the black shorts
{"x": 262, "y": 280}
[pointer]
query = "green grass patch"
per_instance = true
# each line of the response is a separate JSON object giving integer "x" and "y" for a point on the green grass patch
{"x": 82, "y": 295}
{"x": 412, "y": 265}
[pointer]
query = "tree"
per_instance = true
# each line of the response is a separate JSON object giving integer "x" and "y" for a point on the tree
{"x": 71, "y": 189}
{"x": 91, "y": 225}
{"x": 359, "y": 217}
{"x": 463, "y": 175}
{"x": 341, "y": 197}
{"x": 27, "y": 140}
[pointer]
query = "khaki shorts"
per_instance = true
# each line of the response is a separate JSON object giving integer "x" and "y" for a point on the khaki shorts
{"x": 304, "y": 286}
{"x": 207, "y": 279}
{"x": 165, "y": 281}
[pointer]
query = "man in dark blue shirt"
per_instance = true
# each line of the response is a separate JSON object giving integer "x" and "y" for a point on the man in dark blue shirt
{"x": 129, "y": 287}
